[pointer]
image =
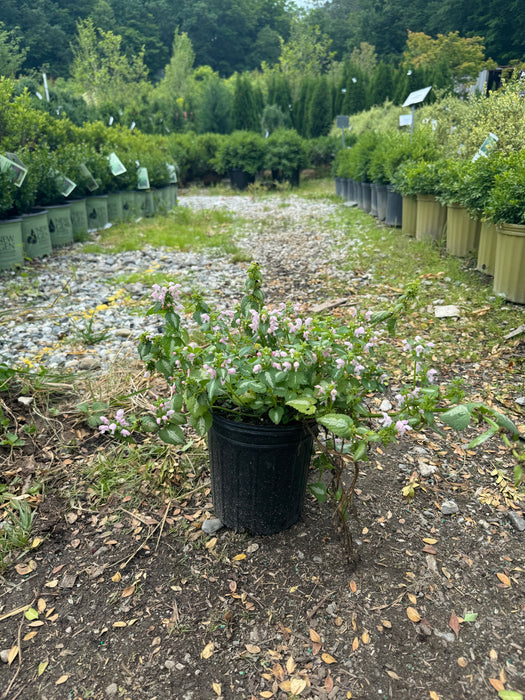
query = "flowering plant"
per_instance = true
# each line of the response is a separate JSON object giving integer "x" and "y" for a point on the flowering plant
{"x": 257, "y": 364}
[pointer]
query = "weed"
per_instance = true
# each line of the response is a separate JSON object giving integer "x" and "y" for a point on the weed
{"x": 15, "y": 528}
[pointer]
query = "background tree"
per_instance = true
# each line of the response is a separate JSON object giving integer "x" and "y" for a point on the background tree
{"x": 306, "y": 53}
{"x": 245, "y": 113}
{"x": 12, "y": 55}
{"x": 464, "y": 56}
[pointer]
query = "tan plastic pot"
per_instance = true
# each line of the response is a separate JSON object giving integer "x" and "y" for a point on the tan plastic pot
{"x": 431, "y": 218}
{"x": 462, "y": 231}
{"x": 509, "y": 269}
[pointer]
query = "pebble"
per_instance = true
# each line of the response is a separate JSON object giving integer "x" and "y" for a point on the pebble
{"x": 46, "y": 306}
{"x": 4, "y": 655}
{"x": 449, "y": 507}
{"x": 211, "y": 525}
{"x": 169, "y": 664}
{"x": 112, "y": 689}
{"x": 517, "y": 522}
{"x": 447, "y": 636}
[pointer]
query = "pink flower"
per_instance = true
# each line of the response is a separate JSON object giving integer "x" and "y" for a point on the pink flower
{"x": 257, "y": 369}
{"x": 402, "y": 426}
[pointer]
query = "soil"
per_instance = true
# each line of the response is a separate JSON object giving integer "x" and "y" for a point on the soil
{"x": 135, "y": 600}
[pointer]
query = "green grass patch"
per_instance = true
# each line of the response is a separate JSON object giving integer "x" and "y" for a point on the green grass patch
{"x": 182, "y": 229}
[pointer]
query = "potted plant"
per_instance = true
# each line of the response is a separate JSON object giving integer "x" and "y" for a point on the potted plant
{"x": 462, "y": 228}
{"x": 11, "y": 249}
{"x": 260, "y": 382}
{"x": 506, "y": 208}
{"x": 286, "y": 155}
{"x": 422, "y": 180}
{"x": 241, "y": 155}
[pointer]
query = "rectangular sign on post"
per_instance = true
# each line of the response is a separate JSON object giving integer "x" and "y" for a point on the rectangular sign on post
{"x": 342, "y": 121}
{"x": 115, "y": 164}
{"x": 416, "y": 97}
{"x": 11, "y": 163}
{"x": 405, "y": 119}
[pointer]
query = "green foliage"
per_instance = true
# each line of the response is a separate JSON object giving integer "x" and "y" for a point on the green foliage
{"x": 318, "y": 110}
{"x": 215, "y": 108}
{"x": 245, "y": 113}
{"x": 286, "y": 153}
{"x": 243, "y": 150}
{"x": 421, "y": 177}
{"x": 480, "y": 181}
{"x": 506, "y": 201}
{"x": 12, "y": 55}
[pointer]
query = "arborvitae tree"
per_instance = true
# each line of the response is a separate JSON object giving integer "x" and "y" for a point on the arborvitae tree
{"x": 279, "y": 93}
{"x": 382, "y": 86}
{"x": 318, "y": 117}
{"x": 215, "y": 113}
{"x": 355, "y": 99}
{"x": 245, "y": 114}
{"x": 301, "y": 104}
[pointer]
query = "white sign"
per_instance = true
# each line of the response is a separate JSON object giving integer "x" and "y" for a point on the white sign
{"x": 405, "y": 119}
{"x": 417, "y": 96}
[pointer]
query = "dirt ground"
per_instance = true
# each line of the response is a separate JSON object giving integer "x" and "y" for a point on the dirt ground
{"x": 125, "y": 596}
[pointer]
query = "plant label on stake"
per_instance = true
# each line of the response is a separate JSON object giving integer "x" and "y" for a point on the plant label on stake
{"x": 487, "y": 146}
{"x": 65, "y": 185}
{"x": 172, "y": 173}
{"x": 405, "y": 119}
{"x": 11, "y": 163}
{"x": 91, "y": 184}
{"x": 115, "y": 164}
{"x": 142, "y": 179}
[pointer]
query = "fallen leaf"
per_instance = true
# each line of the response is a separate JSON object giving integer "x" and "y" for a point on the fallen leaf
{"x": 217, "y": 688}
{"x": 316, "y": 648}
{"x": 61, "y": 680}
{"x": 253, "y": 648}
{"x": 510, "y": 695}
{"x": 31, "y": 614}
{"x": 454, "y": 624}
{"x": 42, "y": 667}
{"x": 51, "y": 584}
{"x": 413, "y": 614}
{"x": 238, "y": 557}
{"x": 470, "y": 617}
{"x": 290, "y": 665}
{"x": 505, "y": 580}
{"x": 355, "y": 644}
{"x": 433, "y": 695}
{"x": 233, "y": 586}
{"x": 386, "y": 623}
{"x": 120, "y": 623}
{"x": 328, "y": 659}
{"x": 496, "y": 684}
{"x": 29, "y": 636}
{"x": 338, "y": 621}
{"x": 462, "y": 662}
{"x": 429, "y": 540}
{"x": 129, "y": 590}
{"x": 393, "y": 675}
{"x": 41, "y": 605}
{"x": 428, "y": 549}
{"x": 297, "y": 685}
{"x": 25, "y": 569}
{"x": 328, "y": 684}
{"x": 412, "y": 598}
{"x": 210, "y": 544}
{"x": 208, "y": 650}
{"x": 286, "y": 686}
{"x": 278, "y": 672}
{"x": 266, "y": 694}
{"x": 13, "y": 653}
{"x": 365, "y": 637}
{"x": 314, "y": 636}
{"x": 117, "y": 577}
{"x": 36, "y": 623}
{"x": 36, "y": 542}
{"x": 353, "y": 586}
{"x": 493, "y": 655}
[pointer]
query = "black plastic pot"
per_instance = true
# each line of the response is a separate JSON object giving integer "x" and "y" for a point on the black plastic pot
{"x": 373, "y": 199}
{"x": 239, "y": 179}
{"x": 367, "y": 197}
{"x": 394, "y": 207}
{"x": 381, "y": 196}
{"x": 258, "y": 474}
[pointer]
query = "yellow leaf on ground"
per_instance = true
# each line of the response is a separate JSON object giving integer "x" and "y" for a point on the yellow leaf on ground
{"x": 429, "y": 540}
{"x": 314, "y": 636}
{"x": 42, "y": 667}
{"x": 413, "y": 614}
{"x": 238, "y": 557}
{"x": 61, "y": 680}
{"x": 297, "y": 685}
{"x": 51, "y": 584}
{"x": 496, "y": 684}
{"x": 129, "y": 590}
{"x": 41, "y": 605}
{"x": 412, "y": 598}
{"x": 353, "y": 586}
{"x": 29, "y": 636}
{"x": 365, "y": 637}
{"x": 328, "y": 659}
{"x": 266, "y": 694}
{"x": 217, "y": 688}
{"x": 120, "y": 623}
{"x": 208, "y": 650}
{"x": 504, "y": 579}
{"x": 13, "y": 653}
{"x": 462, "y": 662}
{"x": 117, "y": 577}
{"x": 386, "y": 623}
{"x": 355, "y": 643}
{"x": 253, "y": 648}
{"x": 433, "y": 695}
{"x": 393, "y": 675}
{"x": 210, "y": 544}
{"x": 493, "y": 655}
{"x": 290, "y": 665}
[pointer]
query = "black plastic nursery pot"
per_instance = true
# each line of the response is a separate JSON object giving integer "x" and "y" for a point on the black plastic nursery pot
{"x": 240, "y": 179}
{"x": 258, "y": 474}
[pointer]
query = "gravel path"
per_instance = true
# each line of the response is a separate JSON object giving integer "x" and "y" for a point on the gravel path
{"x": 46, "y": 306}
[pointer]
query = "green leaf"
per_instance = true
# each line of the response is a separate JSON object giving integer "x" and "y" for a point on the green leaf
{"x": 480, "y": 439}
{"x": 42, "y": 667}
{"x": 149, "y": 424}
{"x": 471, "y": 617}
{"x": 360, "y": 451}
{"x": 172, "y": 435}
{"x": 164, "y": 367}
{"x": 457, "y": 417}
{"x": 510, "y": 695}
{"x": 319, "y": 492}
{"x": 338, "y": 423}
{"x": 31, "y": 614}
{"x": 202, "y": 423}
{"x": 304, "y": 404}
{"x": 504, "y": 422}
{"x": 276, "y": 414}
{"x": 214, "y": 389}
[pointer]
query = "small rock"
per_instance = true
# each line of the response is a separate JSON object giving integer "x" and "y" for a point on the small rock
{"x": 89, "y": 363}
{"x": 4, "y": 655}
{"x": 449, "y": 507}
{"x": 517, "y": 522}
{"x": 385, "y": 405}
{"x": 211, "y": 525}
{"x": 521, "y": 401}
{"x": 448, "y": 311}
{"x": 169, "y": 664}
{"x": 100, "y": 551}
{"x": 447, "y": 636}
{"x": 425, "y": 469}
{"x": 112, "y": 689}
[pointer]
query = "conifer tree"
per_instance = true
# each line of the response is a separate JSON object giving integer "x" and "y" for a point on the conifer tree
{"x": 245, "y": 116}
